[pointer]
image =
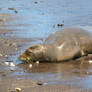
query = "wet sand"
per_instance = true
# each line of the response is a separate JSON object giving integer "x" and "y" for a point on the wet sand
{"x": 54, "y": 77}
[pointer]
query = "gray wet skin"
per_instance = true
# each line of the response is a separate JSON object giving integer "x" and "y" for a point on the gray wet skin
{"x": 67, "y": 44}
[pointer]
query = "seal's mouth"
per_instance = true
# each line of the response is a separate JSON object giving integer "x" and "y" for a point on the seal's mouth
{"x": 25, "y": 58}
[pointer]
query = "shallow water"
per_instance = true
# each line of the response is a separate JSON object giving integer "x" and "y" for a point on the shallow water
{"x": 39, "y": 20}
{"x": 69, "y": 73}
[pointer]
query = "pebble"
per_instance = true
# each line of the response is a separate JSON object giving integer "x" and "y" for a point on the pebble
{"x": 12, "y": 64}
{"x": 16, "y": 11}
{"x": 14, "y": 44}
{"x": 6, "y": 56}
{"x": 11, "y": 8}
{"x": 4, "y": 75}
{"x": 37, "y": 62}
{"x": 30, "y": 65}
{"x": 18, "y": 89}
{"x": 13, "y": 90}
{"x": 1, "y": 55}
{"x": 12, "y": 68}
{"x": 36, "y": 2}
{"x": 60, "y": 25}
{"x": 6, "y": 63}
{"x": 90, "y": 61}
{"x": 1, "y": 20}
{"x": 16, "y": 48}
{"x": 10, "y": 44}
{"x": 39, "y": 83}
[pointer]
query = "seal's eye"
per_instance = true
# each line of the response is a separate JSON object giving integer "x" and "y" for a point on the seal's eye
{"x": 28, "y": 52}
{"x": 33, "y": 47}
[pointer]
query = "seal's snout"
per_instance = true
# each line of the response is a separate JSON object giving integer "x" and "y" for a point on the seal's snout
{"x": 32, "y": 54}
{"x": 28, "y": 54}
{"x": 22, "y": 57}
{"x": 25, "y": 59}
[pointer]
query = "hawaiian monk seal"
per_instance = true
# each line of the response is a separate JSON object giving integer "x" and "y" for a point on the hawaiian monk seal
{"x": 66, "y": 44}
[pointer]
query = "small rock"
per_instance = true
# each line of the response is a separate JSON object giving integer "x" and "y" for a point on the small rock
{"x": 18, "y": 89}
{"x": 1, "y": 55}
{"x": 10, "y": 44}
{"x": 16, "y": 11}
{"x": 60, "y": 25}
{"x": 30, "y": 65}
{"x": 1, "y": 20}
{"x": 90, "y": 61}
{"x": 3, "y": 74}
{"x": 11, "y": 8}
{"x": 37, "y": 62}
{"x": 13, "y": 90}
{"x": 9, "y": 61}
{"x": 19, "y": 46}
{"x": 6, "y": 63}
{"x": 36, "y": 2}
{"x": 16, "y": 48}
{"x": 12, "y": 68}
{"x": 12, "y": 64}
{"x": 87, "y": 73}
{"x": 39, "y": 83}
{"x": 14, "y": 44}
{"x": 6, "y": 55}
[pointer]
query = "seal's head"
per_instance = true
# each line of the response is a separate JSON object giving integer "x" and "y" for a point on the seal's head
{"x": 32, "y": 54}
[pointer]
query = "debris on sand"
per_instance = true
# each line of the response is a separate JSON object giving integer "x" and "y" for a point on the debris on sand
{"x": 16, "y": 11}
{"x": 6, "y": 56}
{"x": 1, "y": 20}
{"x": 13, "y": 90}
{"x": 40, "y": 83}
{"x": 12, "y": 68}
{"x": 60, "y": 25}
{"x": 13, "y": 10}
{"x": 10, "y": 64}
{"x": 90, "y": 61}
{"x": 1, "y": 55}
{"x": 37, "y": 62}
{"x": 6, "y": 63}
{"x": 18, "y": 89}
{"x": 30, "y": 65}
{"x": 36, "y": 2}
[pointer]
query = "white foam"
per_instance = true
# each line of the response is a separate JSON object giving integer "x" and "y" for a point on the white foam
{"x": 86, "y": 27}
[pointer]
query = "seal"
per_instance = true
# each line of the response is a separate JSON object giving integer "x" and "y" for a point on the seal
{"x": 67, "y": 44}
